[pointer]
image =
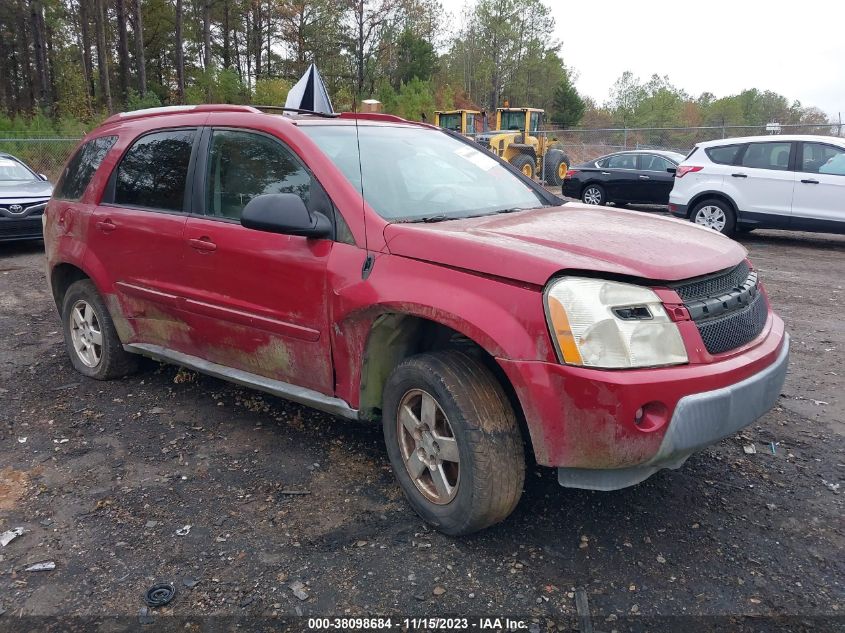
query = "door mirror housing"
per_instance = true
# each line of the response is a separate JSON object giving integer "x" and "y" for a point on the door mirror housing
{"x": 44, "y": 177}
{"x": 284, "y": 213}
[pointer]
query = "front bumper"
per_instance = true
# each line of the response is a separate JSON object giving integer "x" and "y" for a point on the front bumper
{"x": 586, "y": 420}
{"x": 699, "y": 420}
{"x": 27, "y": 228}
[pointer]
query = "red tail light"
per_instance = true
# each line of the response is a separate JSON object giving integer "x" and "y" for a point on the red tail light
{"x": 571, "y": 172}
{"x": 686, "y": 169}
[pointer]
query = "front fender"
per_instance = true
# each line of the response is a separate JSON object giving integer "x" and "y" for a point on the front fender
{"x": 506, "y": 319}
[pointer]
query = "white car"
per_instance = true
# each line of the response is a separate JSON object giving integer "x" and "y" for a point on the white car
{"x": 774, "y": 182}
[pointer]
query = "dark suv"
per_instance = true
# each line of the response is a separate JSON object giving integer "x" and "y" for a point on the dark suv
{"x": 23, "y": 198}
{"x": 390, "y": 271}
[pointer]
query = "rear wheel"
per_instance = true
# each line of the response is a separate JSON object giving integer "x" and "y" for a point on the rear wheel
{"x": 525, "y": 164}
{"x": 453, "y": 441}
{"x": 714, "y": 214}
{"x": 593, "y": 194}
{"x": 90, "y": 336}
{"x": 555, "y": 165}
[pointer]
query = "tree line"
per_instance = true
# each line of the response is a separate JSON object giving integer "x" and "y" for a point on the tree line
{"x": 66, "y": 63}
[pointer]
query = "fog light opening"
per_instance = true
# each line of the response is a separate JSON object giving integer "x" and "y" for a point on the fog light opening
{"x": 651, "y": 416}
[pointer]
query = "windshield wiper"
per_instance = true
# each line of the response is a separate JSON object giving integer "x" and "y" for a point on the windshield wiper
{"x": 428, "y": 219}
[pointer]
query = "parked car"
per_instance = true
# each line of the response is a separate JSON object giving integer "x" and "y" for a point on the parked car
{"x": 637, "y": 176}
{"x": 457, "y": 302}
{"x": 773, "y": 182}
{"x": 23, "y": 197}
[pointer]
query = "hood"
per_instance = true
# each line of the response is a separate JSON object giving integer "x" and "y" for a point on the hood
{"x": 531, "y": 246}
{"x": 26, "y": 189}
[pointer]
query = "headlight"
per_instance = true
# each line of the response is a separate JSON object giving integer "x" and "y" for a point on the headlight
{"x": 611, "y": 325}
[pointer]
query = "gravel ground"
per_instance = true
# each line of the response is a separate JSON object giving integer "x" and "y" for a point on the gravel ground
{"x": 282, "y": 500}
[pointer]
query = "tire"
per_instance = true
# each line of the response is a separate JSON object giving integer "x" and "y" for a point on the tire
{"x": 525, "y": 164}
{"x": 485, "y": 484}
{"x": 554, "y": 167}
{"x": 593, "y": 194}
{"x": 714, "y": 214}
{"x": 108, "y": 359}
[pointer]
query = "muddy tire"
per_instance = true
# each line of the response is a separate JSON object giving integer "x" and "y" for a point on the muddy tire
{"x": 90, "y": 336}
{"x": 524, "y": 164}
{"x": 453, "y": 441}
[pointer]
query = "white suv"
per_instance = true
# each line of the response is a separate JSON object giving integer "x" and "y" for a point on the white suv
{"x": 775, "y": 182}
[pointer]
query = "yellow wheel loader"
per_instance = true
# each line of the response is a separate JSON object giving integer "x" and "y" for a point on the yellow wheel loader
{"x": 517, "y": 141}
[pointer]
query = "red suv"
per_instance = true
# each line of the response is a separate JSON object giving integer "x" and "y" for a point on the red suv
{"x": 380, "y": 269}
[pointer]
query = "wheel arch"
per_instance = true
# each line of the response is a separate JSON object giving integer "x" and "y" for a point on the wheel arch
{"x": 62, "y": 276}
{"x": 393, "y": 336}
{"x": 705, "y": 195}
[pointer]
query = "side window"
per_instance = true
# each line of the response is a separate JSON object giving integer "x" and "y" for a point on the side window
{"x": 622, "y": 161}
{"x": 152, "y": 174}
{"x": 818, "y": 158}
{"x": 767, "y": 156}
{"x": 650, "y": 162}
{"x": 725, "y": 155}
{"x": 82, "y": 167}
{"x": 242, "y": 165}
{"x": 535, "y": 121}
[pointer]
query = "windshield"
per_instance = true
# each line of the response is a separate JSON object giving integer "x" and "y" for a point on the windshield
{"x": 513, "y": 121}
{"x": 412, "y": 174}
{"x": 451, "y": 122}
{"x": 13, "y": 170}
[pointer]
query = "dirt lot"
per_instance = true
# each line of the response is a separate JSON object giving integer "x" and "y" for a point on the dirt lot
{"x": 102, "y": 475}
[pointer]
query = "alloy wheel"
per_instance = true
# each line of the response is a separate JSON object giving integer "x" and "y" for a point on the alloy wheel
{"x": 712, "y": 217}
{"x": 592, "y": 195}
{"x": 428, "y": 446}
{"x": 86, "y": 334}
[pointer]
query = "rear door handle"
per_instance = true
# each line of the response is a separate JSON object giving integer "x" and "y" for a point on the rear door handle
{"x": 605, "y": 173}
{"x": 740, "y": 175}
{"x": 106, "y": 226}
{"x": 644, "y": 177}
{"x": 810, "y": 181}
{"x": 203, "y": 244}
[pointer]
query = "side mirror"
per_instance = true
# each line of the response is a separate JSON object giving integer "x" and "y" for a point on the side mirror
{"x": 44, "y": 177}
{"x": 284, "y": 213}
{"x": 671, "y": 170}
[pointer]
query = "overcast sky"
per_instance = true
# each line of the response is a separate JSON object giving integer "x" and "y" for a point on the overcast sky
{"x": 795, "y": 48}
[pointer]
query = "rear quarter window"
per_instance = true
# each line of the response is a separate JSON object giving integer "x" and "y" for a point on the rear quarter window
{"x": 82, "y": 167}
{"x": 724, "y": 155}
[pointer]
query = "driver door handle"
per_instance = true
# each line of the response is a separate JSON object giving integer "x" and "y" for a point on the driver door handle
{"x": 605, "y": 173}
{"x": 203, "y": 244}
{"x": 644, "y": 177}
{"x": 740, "y": 175}
{"x": 810, "y": 181}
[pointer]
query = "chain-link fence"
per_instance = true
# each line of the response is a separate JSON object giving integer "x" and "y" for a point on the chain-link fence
{"x": 43, "y": 155}
{"x": 585, "y": 145}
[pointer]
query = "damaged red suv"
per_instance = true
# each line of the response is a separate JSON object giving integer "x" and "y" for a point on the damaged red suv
{"x": 385, "y": 270}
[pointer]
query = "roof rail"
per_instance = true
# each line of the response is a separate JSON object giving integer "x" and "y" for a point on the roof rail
{"x": 179, "y": 109}
{"x": 377, "y": 116}
{"x": 275, "y": 108}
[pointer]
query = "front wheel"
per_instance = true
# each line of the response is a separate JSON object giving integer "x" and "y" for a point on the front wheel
{"x": 593, "y": 194}
{"x": 525, "y": 164}
{"x": 453, "y": 441}
{"x": 715, "y": 214}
